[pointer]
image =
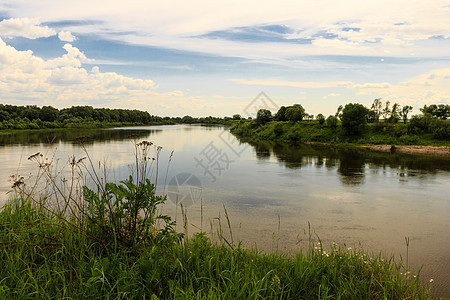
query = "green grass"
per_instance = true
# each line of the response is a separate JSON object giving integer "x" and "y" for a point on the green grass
{"x": 43, "y": 256}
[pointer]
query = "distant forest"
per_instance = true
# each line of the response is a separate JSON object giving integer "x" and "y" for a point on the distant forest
{"x": 34, "y": 117}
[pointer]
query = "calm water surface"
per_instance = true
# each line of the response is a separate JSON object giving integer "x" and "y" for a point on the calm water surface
{"x": 271, "y": 191}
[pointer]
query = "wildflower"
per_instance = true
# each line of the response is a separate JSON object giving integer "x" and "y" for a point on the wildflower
{"x": 431, "y": 280}
{"x": 155, "y": 233}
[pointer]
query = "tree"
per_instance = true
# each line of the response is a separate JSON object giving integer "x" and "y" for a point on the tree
{"x": 320, "y": 118}
{"x": 339, "y": 112}
{"x": 281, "y": 114}
{"x": 395, "y": 113}
{"x": 187, "y": 120}
{"x": 372, "y": 116}
{"x": 294, "y": 114}
{"x": 377, "y": 109}
{"x": 386, "y": 110}
{"x": 263, "y": 116}
{"x": 440, "y": 111}
{"x": 48, "y": 113}
{"x": 236, "y": 117}
{"x": 405, "y": 111}
{"x": 354, "y": 118}
{"x": 332, "y": 122}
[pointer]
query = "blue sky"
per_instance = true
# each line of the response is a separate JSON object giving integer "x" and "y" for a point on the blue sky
{"x": 214, "y": 57}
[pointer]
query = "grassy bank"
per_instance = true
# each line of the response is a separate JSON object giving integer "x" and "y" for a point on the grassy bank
{"x": 312, "y": 131}
{"x": 98, "y": 239}
{"x": 46, "y": 257}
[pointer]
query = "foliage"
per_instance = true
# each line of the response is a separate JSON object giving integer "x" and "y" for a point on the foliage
{"x": 441, "y": 111}
{"x": 42, "y": 255}
{"x": 354, "y": 118}
{"x": 281, "y": 114}
{"x": 375, "y": 110}
{"x": 263, "y": 116}
{"x": 405, "y": 111}
{"x": 295, "y": 113}
{"x": 332, "y": 122}
{"x": 339, "y": 112}
{"x": 378, "y": 133}
{"x": 320, "y": 118}
{"x": 236, "y": 117}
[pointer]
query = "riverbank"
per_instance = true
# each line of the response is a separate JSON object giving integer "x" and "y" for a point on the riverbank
{"x": 380, "y": 137}
{"x": 432, "y": 150}
{"x": 60, "y": 258}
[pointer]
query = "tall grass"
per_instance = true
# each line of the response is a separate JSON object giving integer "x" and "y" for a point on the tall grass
{"x": 106, "y": 243}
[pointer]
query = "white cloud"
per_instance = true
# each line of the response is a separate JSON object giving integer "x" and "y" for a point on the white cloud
{"x": 384, "y": 26}
{"x": 24, "y": 27}
{"x": 63, "y": 82}
{"x": 26, "y": 76}
{"x": 66, "y": 36}
{"x": 430, "y": 87}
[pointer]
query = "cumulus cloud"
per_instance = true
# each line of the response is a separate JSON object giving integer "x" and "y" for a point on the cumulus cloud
{"x": 66, "y": 36}
{"x": 24, "y": 27}
{"x": 26, "y": 76}
{"x": 64, "y": 81}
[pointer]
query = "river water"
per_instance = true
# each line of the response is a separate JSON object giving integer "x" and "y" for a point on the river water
{"x": 273, "y": 192}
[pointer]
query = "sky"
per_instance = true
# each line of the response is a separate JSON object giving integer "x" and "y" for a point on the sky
{"x": 201, "y": 58}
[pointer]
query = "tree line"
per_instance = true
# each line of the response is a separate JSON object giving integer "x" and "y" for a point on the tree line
{"x": 34, "y": 117}
{"x": 354, "y": 117}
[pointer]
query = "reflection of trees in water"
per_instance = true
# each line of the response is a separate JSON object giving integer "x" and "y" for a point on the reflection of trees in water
{"x": 350, "y": 163}
{"x": 351, "y": 167}
{"x": 262, "y": 151}
{"x": 54, "y": 136}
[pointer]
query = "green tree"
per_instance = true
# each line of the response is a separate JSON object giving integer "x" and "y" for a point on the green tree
{"x": 320, "y": 118}
{"x": 339, "y": 112}
{"x": 263, "y": 116}
{"x": 405, "y": 111}
{"x": 395, "y": 113}
{"x": 354, "y": 118}
{"x": 332, "y": 122}
{"x": 48, "y": 113}
{"x": 294, "y": 114}
{"x": 281, "y": 114}
{"x": 376, "y": 110}
{"x": 236, "y": 117}
{"x": 440, "y": 111}
{"x": 187, "y": 120}
{"x": 386, "y": 112}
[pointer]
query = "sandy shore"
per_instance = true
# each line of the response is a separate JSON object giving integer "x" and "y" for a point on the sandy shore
{"x": 434, "y": 150}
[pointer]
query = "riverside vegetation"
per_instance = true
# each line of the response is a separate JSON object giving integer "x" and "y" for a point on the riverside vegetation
{"x": 352, "y": 124}
{"x": 47, "y": 117}
{"x": 85, "y": 237}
